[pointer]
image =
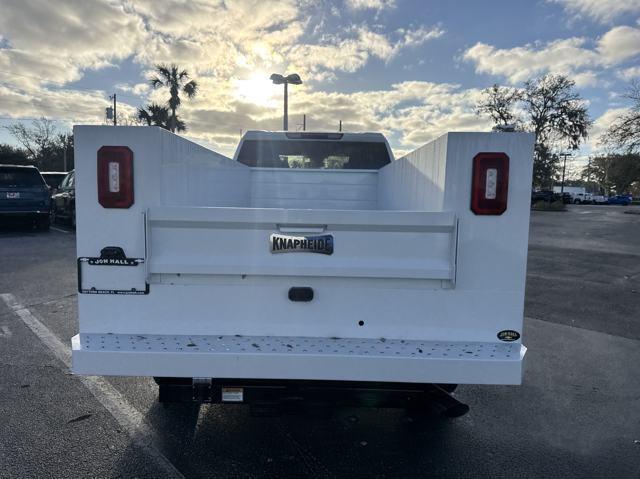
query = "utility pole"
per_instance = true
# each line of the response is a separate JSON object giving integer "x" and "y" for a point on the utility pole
{"x": 115, "y": 112}
{"x": 304, "y": 122}
{"x": 564, "y": 167}
{"x": 65, "y": 155}
{"x": 286, "y": 107}
{"x": 340, "y": 126}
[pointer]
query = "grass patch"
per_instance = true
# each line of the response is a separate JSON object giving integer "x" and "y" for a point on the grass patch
{"x": 549, "y": 206}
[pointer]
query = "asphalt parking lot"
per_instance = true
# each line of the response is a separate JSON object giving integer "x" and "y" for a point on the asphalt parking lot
{"x": 577, "y": 415}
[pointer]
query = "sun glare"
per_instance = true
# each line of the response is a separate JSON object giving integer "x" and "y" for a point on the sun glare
{"x": 257, "y": 89}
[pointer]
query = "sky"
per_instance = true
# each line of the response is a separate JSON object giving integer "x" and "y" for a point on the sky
{"x": 412, "y": 69}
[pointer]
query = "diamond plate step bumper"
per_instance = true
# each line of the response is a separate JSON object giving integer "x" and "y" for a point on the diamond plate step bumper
{"x": 281, "y": 357}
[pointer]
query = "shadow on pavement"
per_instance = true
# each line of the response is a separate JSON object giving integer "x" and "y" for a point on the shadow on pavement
{"x": 227, "y": 441}
{"x": 18, "y": 227}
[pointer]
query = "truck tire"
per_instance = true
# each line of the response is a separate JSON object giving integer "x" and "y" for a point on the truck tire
{"x": 448, "y": 387}
{"x": 43, "y": 223}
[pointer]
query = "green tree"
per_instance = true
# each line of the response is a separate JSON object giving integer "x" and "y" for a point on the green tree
{"x": 177, "y": 81}
{"x": 11, "y": 155}
{"x": 614, "y": 173}
{"x": 547, "y": 106}
{"x": 498, "y": 102}
{"x": 157, "y": 115}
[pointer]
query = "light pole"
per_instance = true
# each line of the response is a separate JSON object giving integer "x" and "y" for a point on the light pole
{"x": 293, "y": 79}
{"x": 564, "y": 167}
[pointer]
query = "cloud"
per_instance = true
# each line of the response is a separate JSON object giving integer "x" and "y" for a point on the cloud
{"x": 629, "y": 74}
{"x": 137, "y": 89}
{"x": 70, "y": 106}
{"x": 413, "y": 38}
{"x": 604, "y": 11}
{"x": 370, "y": 4}
{"x": 601, "y": 124}
{"x": 352, "y": 52}
{"x": 619, "y": 44}
{"x": 52, "y": 42}
{"x": 48, "y": 45}
{"x": 412, "y": 111}
{"x": 572, "y": 56}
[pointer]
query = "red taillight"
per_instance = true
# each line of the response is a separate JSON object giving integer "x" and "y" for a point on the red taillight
{"x": 490, "y": 183}
{"x": 115, "y": 177}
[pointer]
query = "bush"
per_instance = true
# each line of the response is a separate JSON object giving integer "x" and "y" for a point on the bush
{"x": 549, "y": 206}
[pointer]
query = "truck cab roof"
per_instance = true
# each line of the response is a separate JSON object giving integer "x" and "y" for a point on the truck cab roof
{"x": 370, "y": 137}
{"x": 313, "y": 150}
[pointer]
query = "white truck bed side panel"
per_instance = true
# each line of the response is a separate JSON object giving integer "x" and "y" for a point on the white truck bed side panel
{"x": 193, "y": 175}
{"x": 415, "y": 181}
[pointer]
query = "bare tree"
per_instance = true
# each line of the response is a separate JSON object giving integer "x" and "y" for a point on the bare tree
{"x": 38, "y": 139}
{"x": 624, "y": 132}
{"x": 43, "y": 145}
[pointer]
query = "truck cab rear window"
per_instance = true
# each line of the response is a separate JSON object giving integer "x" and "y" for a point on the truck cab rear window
{"x": 20, "y": 177}
{"x": 330, "y": 155}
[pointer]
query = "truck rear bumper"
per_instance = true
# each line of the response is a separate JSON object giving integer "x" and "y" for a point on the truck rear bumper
{"x": 270, "y": 357}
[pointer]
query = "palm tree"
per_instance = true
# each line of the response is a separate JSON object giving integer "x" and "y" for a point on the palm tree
{"x": 177, "y": 81}
{"x": 158, "y": 115}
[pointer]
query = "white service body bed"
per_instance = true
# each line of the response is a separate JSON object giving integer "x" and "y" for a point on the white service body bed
{"x": 417, "y": 289}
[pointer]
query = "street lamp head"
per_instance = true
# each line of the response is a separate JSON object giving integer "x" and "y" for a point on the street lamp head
{"x": 293, "y": 79}
{"x": 277, "y": 79}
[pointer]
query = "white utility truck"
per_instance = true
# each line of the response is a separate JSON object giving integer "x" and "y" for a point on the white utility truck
{"x": 578, "y": 194}
{"x": 310, "y": 266}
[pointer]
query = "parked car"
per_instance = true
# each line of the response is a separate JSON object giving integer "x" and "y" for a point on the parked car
{"x": 544, "y": 195}
{"x": 63, "y": 203}
{"x": 53, "y": 178}
{"x": 567, "y": 198}
{"x": 581, "y": 198}
{"x": 623, "y": 200}
{"x": 24, "y": 194}
{"x": 599, "y": 199}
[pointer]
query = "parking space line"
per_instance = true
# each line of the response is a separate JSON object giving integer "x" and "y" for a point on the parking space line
{"x": 59, "y": 229}
{"x": 128, "y": 417}
{"x": 6, "y": 332}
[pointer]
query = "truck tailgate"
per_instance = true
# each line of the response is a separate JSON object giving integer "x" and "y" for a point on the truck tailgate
{"x": 236, "y": 241}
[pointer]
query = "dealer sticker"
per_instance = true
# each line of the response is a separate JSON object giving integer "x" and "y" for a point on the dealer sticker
{"x": 232, "y": 394}
{"x": 508, "y": 335}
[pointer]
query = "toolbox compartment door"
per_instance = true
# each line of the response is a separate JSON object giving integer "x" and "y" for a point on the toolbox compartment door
{"x": 240, "y": 241}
